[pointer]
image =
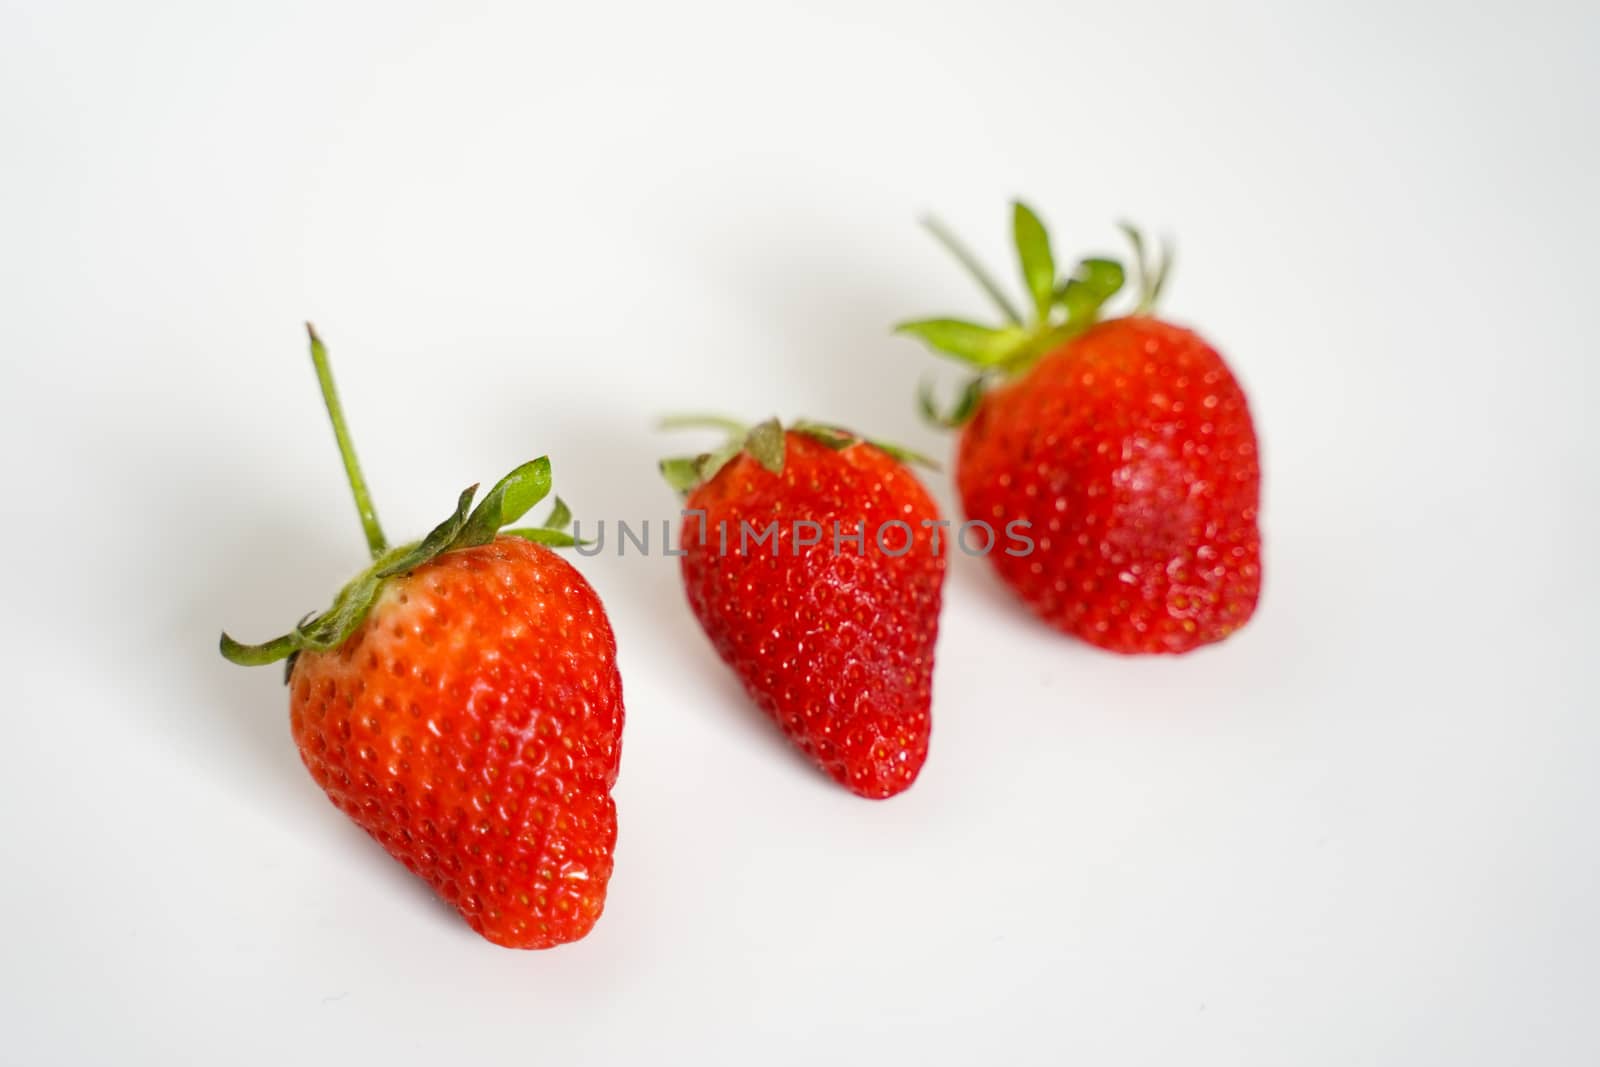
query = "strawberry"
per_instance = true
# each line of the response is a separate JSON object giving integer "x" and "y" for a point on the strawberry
{"x": 461, "y": 703}
{"x": 1125, "y": 444}
{"x": 830, "y": 620}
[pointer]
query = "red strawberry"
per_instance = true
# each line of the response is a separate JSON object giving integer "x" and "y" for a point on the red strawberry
{"x": 461, "y": 702}
{"x": 833, "y": 639}
{"x": 1125, "y": 444}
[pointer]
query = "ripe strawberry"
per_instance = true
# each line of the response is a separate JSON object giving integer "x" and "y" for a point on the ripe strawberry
{"x": 832, "y": 638}
{"x": 460, "y": 701}
{"x": 1127, "y": 446}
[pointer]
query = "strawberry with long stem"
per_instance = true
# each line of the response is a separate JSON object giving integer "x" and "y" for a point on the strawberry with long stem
{"x": 460, "y": 701}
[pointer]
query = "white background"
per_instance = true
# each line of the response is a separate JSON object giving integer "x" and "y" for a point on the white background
{"x": 1361, "y": 832}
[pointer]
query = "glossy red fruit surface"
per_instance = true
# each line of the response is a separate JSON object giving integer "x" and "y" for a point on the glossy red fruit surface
{"x": 472, "y": 725}
{"x": 1123, "y": 441}
{"x": 835, "y": 643}
{"x": 1130, "y": 451}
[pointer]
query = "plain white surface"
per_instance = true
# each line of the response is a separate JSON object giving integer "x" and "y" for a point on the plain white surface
{"x": 1361, "y": 832}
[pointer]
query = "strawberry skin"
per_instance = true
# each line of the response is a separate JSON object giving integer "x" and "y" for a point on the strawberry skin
{"x": 835, "y": 646}
{"x": 1131, "y": 452}
{"x": 472, "y": 725}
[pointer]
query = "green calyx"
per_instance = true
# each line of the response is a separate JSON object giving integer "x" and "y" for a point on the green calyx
{"x": 511, "y": 498}
{"x": 1061, "y": 307}
{"x": 765, "y": 442}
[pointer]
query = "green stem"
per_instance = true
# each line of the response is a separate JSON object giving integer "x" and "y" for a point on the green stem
{"x": 734, "y": 427}
{"x": 347, "y": 451}
{"x": 953, "y": 245}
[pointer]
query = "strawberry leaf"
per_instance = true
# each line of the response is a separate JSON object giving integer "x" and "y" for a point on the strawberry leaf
{"x": 838, "y": 438}
{"x": 560, "y": 516}
{"x": 540, "y": 535}
{"x": 682, "y": 473}
{"x": 826, "y": 434}
{"x": 257, "y": 655}
{"x": 732, "y": 427}
{"x": 980, "y": 346}
{"x": 1141, "y": 261}
{"x": 1091, "y": 285}
{"x": 508, "y": 501}
{"x": 766, "y": 445}
{"x": 441, "y": 537}
{"x": 1163, "y": 272}
{"x": 1033, "y": 253}
{"x": 554, "y": 531}
{"x": 966, "y": 403}
{"x": 685, "y": 474}
{"x": 1152, "y": 277}
{"x": 905, "y": 455}
{"x": 711, "y": 463}
{"x": 329, "y": 630}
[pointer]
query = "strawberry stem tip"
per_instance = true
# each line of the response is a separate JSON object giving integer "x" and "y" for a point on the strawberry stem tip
{"x": 1062, "y": 308}
{"x": 765, "y": 442}
{"x": 347, "y": 449}
{"x": 511, "y": 498}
